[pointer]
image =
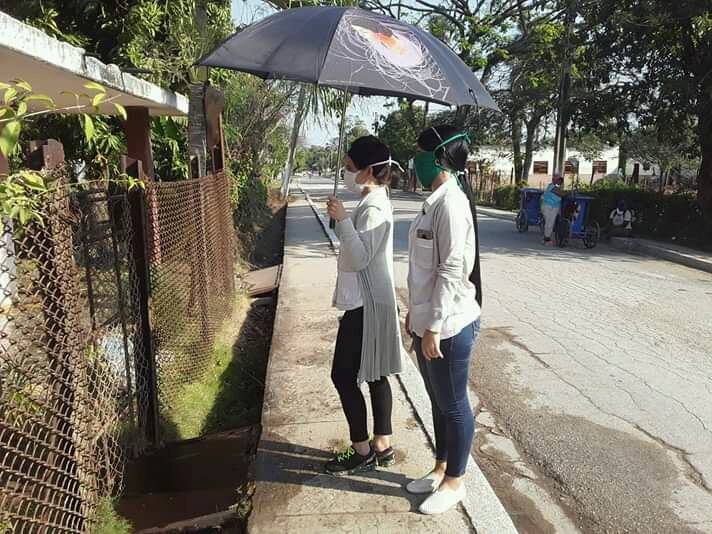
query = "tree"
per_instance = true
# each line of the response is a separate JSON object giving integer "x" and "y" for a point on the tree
{"x": 647, "y": 145}
{"x": 355, "y": 128}
{"x": 659, "y": 58}
{"x": 590, "y": 146}
{"x": 533, "y": 62}
{"x": 163, "y": 39}
{"x": 156, "y": 39}
{"x": 399, "y": 131}
{"x": 314, "y": 158}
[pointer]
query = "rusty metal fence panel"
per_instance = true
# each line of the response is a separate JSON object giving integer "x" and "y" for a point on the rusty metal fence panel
{"x": 192, "y": 278}
{"x": 75, "y": 385}
{"x": 67, "y": 395}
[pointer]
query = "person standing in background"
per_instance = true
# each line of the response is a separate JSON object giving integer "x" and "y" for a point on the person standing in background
{"x": 551, "y": 205}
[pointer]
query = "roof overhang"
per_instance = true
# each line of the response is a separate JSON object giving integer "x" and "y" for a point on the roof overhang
{"x": 52, "y": 66}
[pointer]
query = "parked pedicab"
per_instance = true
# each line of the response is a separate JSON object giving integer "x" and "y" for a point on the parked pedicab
{"x": 573, "y": 222}
{"x": 529, "y": 210}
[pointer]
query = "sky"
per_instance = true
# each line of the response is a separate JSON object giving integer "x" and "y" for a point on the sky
{"x": 368, "y": 109}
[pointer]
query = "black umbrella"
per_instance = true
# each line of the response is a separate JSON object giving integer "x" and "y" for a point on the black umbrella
{"x": 355, "y": 50}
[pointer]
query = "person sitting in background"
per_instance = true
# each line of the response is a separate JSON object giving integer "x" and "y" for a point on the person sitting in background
{"x": 620, "y": 221}
{"x": 551, "y": 205}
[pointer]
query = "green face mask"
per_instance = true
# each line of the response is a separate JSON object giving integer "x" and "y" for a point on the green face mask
{"x": 426, "y": 166}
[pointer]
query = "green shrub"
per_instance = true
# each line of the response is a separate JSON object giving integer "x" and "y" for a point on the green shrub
{"x": 249, "y": 194}
{"x": 507, "y": 197}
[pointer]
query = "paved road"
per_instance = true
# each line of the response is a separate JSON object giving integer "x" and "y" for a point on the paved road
{"x": 598, "y": 365}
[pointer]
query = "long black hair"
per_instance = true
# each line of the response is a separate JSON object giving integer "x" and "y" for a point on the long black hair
{"x": 453, "y": 156}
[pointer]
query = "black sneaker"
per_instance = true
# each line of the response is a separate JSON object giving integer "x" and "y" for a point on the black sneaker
{"x": 350, "y": 462}
{"x": 385, "y": 458}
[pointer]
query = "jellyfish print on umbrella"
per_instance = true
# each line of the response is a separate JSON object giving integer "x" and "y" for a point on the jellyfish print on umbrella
{"x": 391, "y": 51}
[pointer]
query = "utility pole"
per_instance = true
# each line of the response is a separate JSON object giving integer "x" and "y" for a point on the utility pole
{"x": 562, "y": 112}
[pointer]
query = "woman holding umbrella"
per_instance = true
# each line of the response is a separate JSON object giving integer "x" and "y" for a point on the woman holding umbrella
{"x": 362, "y": 52}
{"x": 443, "y": 313}
{"x": 368, "y": 343}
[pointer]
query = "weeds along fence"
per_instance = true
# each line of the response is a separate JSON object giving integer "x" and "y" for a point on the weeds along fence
{"x": 109, "y": 304}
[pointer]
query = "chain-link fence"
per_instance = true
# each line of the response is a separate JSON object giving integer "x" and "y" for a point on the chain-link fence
{"x": 81, "y": 316}
{"x": 192, "y": 256}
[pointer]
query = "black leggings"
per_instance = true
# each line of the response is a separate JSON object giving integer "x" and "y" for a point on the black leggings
{"x": 344, "y": 372}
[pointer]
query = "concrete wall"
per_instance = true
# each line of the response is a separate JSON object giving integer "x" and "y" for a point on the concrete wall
{"x": 8, "y": 285}
{"x": 8, "y": 270}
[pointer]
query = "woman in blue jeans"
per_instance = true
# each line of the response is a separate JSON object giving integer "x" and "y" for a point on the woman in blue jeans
{"x": 443, "y": 314}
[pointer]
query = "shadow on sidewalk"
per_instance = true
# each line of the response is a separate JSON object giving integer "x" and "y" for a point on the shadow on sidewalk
{"x": 299, "y": 465}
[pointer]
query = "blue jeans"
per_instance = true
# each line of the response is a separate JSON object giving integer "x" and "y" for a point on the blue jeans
{"x": 446, "y": 382}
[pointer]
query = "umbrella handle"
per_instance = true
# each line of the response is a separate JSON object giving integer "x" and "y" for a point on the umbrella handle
{"x": 342, "y": 135}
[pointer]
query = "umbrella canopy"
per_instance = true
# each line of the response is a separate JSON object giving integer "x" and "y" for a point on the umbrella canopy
{"x": 355, "y": 50}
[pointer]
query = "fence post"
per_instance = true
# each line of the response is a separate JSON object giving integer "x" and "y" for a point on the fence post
{"x": 140, "y": 258}
{"x": 138, "y": 138}
{"x": 197, "y": 131}
{"x": 214, "y": 102}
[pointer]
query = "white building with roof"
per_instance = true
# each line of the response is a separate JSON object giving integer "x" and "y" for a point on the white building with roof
{"x": 501, "y": 160}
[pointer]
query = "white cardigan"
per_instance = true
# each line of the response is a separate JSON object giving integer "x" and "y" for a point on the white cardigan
{"x": 367, "y": 249}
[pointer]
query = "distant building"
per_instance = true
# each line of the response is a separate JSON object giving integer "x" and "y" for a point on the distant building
{"x": 500, "y": 160}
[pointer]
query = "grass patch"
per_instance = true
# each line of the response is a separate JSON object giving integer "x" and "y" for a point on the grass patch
{"x": 196, "y": 400}
{"x": 108, "y": 521}
{"x": 229, "y": 394}
{"x": 242, "y": 384}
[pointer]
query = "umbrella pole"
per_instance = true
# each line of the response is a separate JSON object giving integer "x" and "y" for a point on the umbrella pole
{"x": 339, "y": 153}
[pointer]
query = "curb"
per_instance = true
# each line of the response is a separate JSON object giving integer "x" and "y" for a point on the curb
{"x": 636, "y": 247}
{"x": 497, "y": 214}
{"x": 330, "y": 234}
{"x": 482, "y": 506}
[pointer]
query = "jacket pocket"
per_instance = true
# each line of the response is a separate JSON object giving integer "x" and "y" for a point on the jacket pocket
{"x": 423, "y": 253}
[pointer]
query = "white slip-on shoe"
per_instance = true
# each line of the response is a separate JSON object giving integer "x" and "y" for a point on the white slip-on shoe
{"x": 427, "y": 484}
{"x": 443, "y": 500}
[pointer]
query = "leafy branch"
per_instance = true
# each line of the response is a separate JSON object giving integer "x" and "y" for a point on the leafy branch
{"x": 15, "y": 112}
{"x": 23, "y": 195}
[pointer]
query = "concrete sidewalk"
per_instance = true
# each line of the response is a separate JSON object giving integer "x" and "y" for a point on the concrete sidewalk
{"x": 695, "y": 259}
{"x": 303, "y": 422}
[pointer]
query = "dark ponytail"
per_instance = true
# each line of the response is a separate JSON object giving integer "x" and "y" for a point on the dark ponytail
{"x": 453, "y": 156}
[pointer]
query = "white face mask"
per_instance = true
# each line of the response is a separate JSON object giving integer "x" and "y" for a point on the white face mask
{"x": 350, "y": 181}
{"x": 350, "y": 176}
